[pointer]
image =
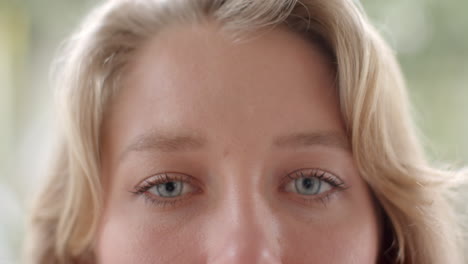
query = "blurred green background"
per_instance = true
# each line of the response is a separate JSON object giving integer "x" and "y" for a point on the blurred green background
{"x": 430, "y": 37}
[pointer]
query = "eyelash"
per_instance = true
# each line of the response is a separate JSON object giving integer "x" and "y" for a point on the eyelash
{"x": 143, "y": 188}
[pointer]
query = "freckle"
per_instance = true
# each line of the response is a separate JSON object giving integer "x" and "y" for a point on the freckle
{"x": 225, "y": 153}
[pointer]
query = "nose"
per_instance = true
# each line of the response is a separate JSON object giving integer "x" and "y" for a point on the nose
{"x": 243, "y": 230}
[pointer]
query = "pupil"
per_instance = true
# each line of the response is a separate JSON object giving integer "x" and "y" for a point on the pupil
{"x": 307, "y": 183}
{"x": 170, "y": 186}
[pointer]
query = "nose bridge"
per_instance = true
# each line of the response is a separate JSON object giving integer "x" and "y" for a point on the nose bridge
{"x": 245, "y": 229}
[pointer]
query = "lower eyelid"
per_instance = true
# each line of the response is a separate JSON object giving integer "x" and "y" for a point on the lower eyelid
{"x": 163, "y": 202}
{"x": 320, "y": 199}
{"x": 157, "y": 202}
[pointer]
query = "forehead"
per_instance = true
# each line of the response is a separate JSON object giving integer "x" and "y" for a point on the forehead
{"x": 206, "y": 54}
{"x": 196, "y": 78}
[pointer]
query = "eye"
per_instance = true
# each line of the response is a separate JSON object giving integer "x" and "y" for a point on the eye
{"x": 167, "y": 188}
{"x": 312, "y": 182}
{"x": 311, "y": 186}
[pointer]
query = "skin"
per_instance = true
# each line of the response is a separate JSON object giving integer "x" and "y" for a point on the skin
{"x": 236, "y": 119}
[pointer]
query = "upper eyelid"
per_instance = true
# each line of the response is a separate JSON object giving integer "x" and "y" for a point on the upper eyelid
{"x": 153, "y": 180}
{"x": 293, "y": 175}
{"x": 158, "y": 176}
{"x": 192, "y": 180}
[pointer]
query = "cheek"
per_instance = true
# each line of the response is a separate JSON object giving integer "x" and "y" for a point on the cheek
{"x": 347, "y": 233}
{"x": 129, "y": 239}
{"x": 347, "y": 242}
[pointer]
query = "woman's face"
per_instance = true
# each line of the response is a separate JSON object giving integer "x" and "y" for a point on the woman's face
{"x": 222, "y": 152}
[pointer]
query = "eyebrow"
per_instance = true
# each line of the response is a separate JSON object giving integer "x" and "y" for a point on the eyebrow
{"x": 307, "y": 139}
{"x": 162, "y": 142}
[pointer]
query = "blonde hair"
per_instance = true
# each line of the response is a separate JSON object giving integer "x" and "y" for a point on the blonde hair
{"x": 418, "y": 220}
